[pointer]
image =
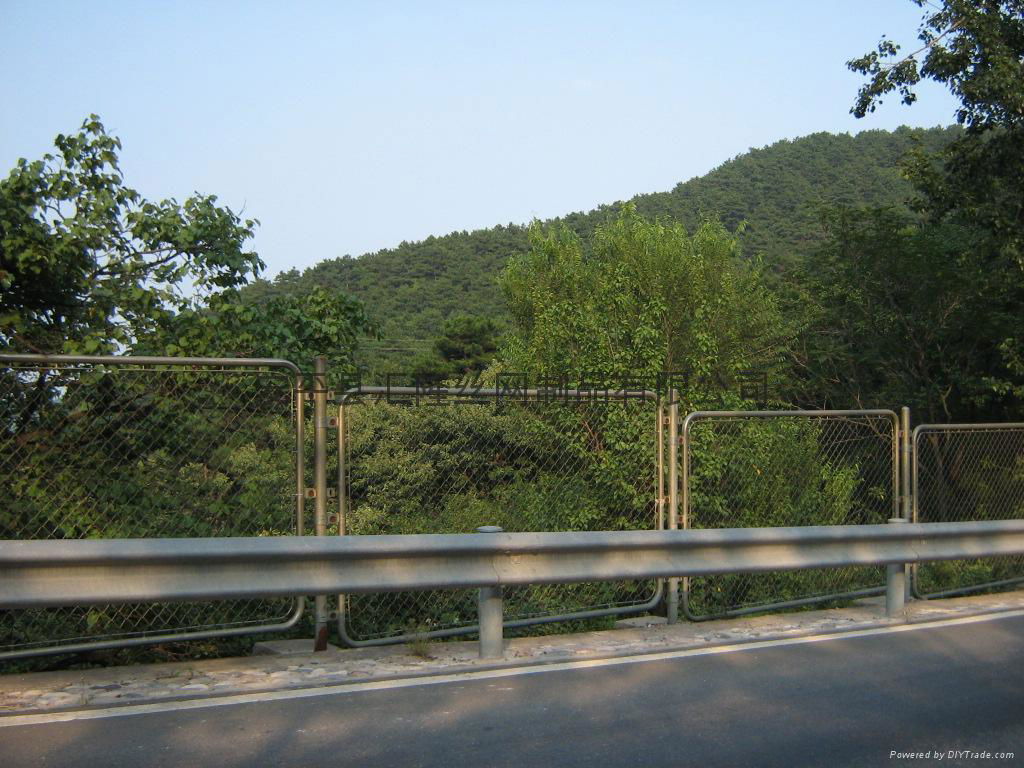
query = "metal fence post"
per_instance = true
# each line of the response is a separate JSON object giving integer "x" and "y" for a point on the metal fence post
{"x": 320, "y": 483}
{"x": 672, "y": 603}
{"x": 896, "y": 584}
{"x": 300, "y": 455}
{"x": 490, "y": 614}
{"x": 905, "y": 501}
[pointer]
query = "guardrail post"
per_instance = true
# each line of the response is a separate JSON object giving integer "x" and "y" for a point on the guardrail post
{"x": 490, "y": 614}
{"x": 896, "y": 585}
{"x": 320, "y": 484}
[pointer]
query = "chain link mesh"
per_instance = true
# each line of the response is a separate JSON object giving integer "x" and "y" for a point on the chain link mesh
{"x": 125, "y": 451}
{"x": 763, "y": 469}
{"x": 963, "y": 474}
{"x": 449, "y": 465}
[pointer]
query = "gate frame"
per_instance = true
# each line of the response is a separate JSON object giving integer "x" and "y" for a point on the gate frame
{"x": 919, "y": 430}
{"x": 898, "y": 504}
{"x": 147, "y": 361}
{"x": 663, "y": 503}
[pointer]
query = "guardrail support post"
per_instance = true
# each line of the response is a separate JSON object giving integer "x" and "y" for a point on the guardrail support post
{"x": 896, "y": 585}
{"x": 320, "y": 483}
{"x": 490, "y": 614}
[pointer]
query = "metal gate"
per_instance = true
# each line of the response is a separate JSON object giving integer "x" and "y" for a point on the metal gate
{"x": 967, "y": 472}
{"x": 124, "y": 447}
{"x": 786, "y": 468}
{"x": 449, "y": 461}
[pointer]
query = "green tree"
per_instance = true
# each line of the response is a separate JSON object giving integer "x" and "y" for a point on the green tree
{"x": 297, "y": 327}
{"x": 467, "y": 343}
{"x": 976, "y": 49}
{"x": 89, "y": 265}
{"x": 904, "y": 313}
{"x": 649, "y": 297}
{"x": 971, "y": 189}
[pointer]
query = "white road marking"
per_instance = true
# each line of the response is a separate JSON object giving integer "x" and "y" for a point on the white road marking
{"x": 10, "y": 721}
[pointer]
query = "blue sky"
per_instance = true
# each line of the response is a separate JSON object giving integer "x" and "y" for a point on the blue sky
{"x": 348, "y": 127}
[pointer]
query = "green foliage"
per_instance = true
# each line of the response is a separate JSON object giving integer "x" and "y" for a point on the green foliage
{"x": 776, "y": 191}
{"x": 88, "y": 265}
{"x": 465, "y": 347}
{"x": 900, "y": 311}
{"x": 963, "y": 250}
{"x": 647, "y": 298}
{"x": 976, "y": 49}
{"x": 467, "y": 343}
{"x": 433, "y": 469}
{"x": 101, "y": 453}
{"x": 786, "y": 482}
{"x": 451, "y": 468}
{"x": 413, "y": 288}
{"x": 295, "y": 327}
{"x": 164, "y": 452}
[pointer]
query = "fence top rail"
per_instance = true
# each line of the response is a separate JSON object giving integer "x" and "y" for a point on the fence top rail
{"x": 553, "y": 395}
{"x": 981, "y": 427}
{"x": 125, "y": 360}
{"x": 870, "y": 412}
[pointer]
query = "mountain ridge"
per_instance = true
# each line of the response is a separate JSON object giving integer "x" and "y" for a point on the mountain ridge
{"x": 775, "y": 190}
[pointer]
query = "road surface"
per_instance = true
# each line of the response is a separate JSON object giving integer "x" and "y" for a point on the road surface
{"x": 851, "y": 700}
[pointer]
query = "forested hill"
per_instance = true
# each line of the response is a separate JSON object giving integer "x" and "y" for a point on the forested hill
{"x": 778, "y": 190}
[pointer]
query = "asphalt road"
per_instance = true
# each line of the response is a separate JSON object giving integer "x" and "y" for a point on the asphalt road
{"x": 849, "y": 701}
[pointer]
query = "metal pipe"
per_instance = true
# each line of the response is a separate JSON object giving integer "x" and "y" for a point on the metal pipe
{"x": 531, "y": 621}
{"x": 672, "y": 602}
{"x": 320, "y": 484}
{"x": 895, "y": 591}
{"x": 342, "y": 508}
{"x": 290, "y": 621}
{"x": 142, "y": 360}
{"x": 659, "y": 431}
{"x": 490, "y": 613}
{"x": 300, "y": 456}
{"x": 783, "y": 605}
{"x": 905, "y": 462}
{"x": 491, "y": 393}
{"x": 896, "y": 584}
{"x": 909, "y": 571}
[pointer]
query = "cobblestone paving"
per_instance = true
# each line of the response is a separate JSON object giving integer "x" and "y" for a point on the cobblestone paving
{"x": 52, "y": 691}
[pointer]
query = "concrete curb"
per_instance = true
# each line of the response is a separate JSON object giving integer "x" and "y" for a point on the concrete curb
{"x": 51, "y": 692}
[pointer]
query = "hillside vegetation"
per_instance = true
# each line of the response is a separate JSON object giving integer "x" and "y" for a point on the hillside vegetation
{"x": 776, "y": 191}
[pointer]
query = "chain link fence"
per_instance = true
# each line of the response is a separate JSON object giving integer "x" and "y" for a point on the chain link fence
{"x": 785, "y": 468}
{"x": 449, "y": 464}
{"x": 121, "y": 448}
{"x": 964, "y": 472}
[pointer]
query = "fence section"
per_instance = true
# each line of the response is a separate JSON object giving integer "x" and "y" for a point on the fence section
{"x": 449, "y": 463}
{"x": 968, "y": 472}
{"x": 786, "y": 468}
{"x": 115, "y": 448}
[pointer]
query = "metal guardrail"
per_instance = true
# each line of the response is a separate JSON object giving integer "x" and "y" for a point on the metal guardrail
{"x": 98, "y": 446}
{"x": 51, "y": 573}
{"x": 466, "y": 442}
